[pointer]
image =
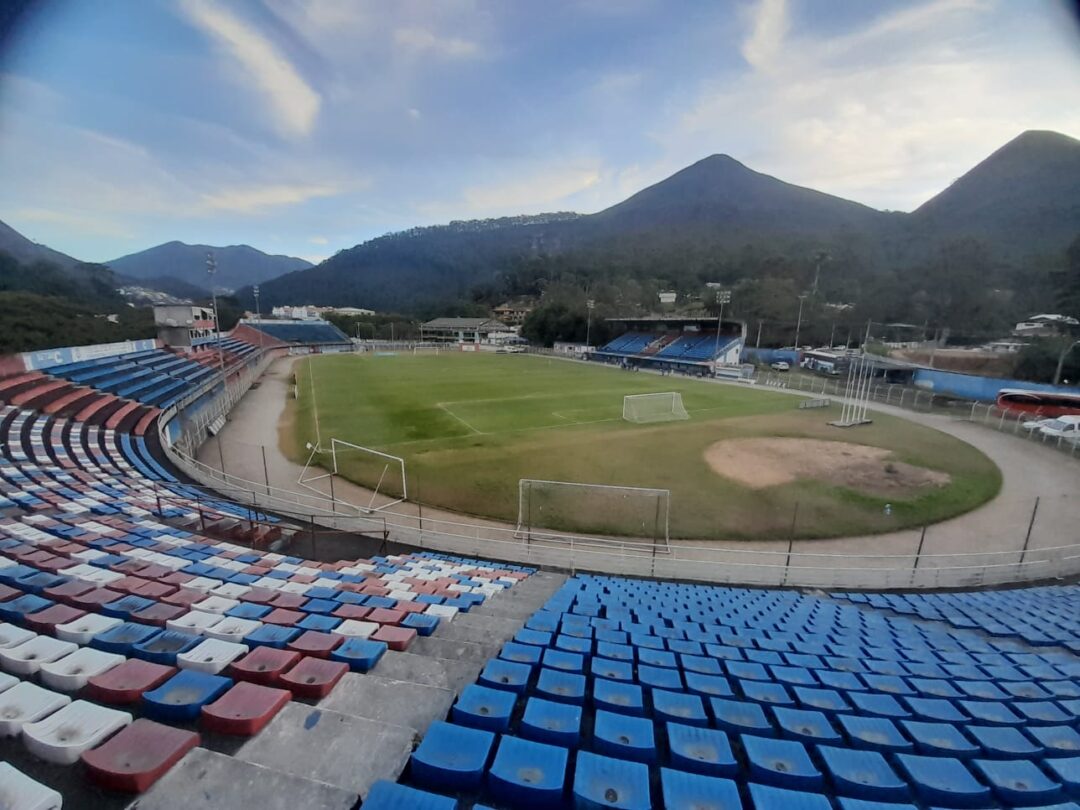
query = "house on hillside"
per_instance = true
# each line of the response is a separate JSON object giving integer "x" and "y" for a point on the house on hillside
{"x": 513, "y": 313}
{"x": 1046, "y": 326}
{"x": 461, "y": 330}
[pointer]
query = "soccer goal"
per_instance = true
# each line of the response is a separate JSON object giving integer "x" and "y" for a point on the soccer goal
{"x": 604, "y": 509}
{"x": 643, "y": 408}
{"x": 379, "y": 472}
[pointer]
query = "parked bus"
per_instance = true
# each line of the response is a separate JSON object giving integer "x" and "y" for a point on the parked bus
{"x": 1043, "y": 403}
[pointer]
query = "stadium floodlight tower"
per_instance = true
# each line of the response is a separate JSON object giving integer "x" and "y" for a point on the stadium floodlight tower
{"x": 211, "y": 269}
{"x": 856, "y": 393}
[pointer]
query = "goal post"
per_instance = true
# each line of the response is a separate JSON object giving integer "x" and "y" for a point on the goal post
{"x": 603, "y": 509}
{"x": 381, "y": 473}
{"x": 662, "y": 407}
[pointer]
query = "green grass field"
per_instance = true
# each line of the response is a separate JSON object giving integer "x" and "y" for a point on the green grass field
{"x": 471, "y": 425}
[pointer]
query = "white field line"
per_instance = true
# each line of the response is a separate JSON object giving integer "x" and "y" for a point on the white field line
{"x": 442, "y": 406}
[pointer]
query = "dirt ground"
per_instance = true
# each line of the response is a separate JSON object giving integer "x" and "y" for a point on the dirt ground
{"x": 768, "y": 462}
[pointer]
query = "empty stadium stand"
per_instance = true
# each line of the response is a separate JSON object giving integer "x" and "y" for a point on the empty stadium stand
{"x": 307, "y": 332}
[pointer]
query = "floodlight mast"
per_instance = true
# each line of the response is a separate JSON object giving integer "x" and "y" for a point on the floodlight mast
{"x": 211, "y": 269}
{"x": 722, "y": 297}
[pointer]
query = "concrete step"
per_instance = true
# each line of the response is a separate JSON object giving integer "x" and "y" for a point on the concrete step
{"x": 389, "y": 701}
{"x": 438, "y": 646}
{"x": 204, "y": 780}
{"x": 348, "y": 752}
{"x": 496, "y": 629}
{"x": 428, "y": 669}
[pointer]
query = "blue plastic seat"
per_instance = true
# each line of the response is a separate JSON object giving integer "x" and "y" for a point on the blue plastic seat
{"x": 423, "y": 623}
{"x": 1057, "y": 740}
{"x": 700, "y": 664}
{"x": 823, "y": 700}
{"x": 518, "y": 653}
{"x": 767, "y": 797}
{"x": 1067, "y": 771}
{"x": 943, "y": 781}
{"x": 122, "y": 638}
{"x": 739, "y": 716}
{"x": 702, "y": 750}
{"x": 624, "y": 736}
{"x": 679, "y": 707}
{"x": 484, "y": 708}
{"x": 862, "y": 775}
{"x": 775, "y": 694}
{"x": 272, "y": 635}
{"x": 1018, "y": 783}
{"x": 320, "y": 623}
{"x": 805, "y": 726}
{"x": 549, "y": 722}
{"x": 612, "y": 670}
{"x": 392, "y": 796}
{"x": 1025, "y": 690}
{"x": 451, "y": 757}
{"x": 617, "y": 696}
{"x": 795, "y": 676}
{"x": 781, "y": 763}
{"x": 980, "y": 690}
{"x": 181, "y": 698}
{"x": 601, "y": 783}
{"x": 535, "y": 638}
{"x": 998, "y": 714}
{"x": 616, "y": 652}
{"x": 527, "y": 773}
{"x": 165, "y": 646}
{"x": 563, "y": 661}
{"x": 874, "y": 733}
{"x": 878, "y": 705}
{"x": 657, "y": 658}
{"x": 565, "y": 687}
{"x": 843, "y": 681}
{"x": 935, "y": 688}
{"x": 361, "y": 654}
{"x": 507, "y": 675}
{"x": 660, "y": 678}
{"x": 940, "y": 739}
{"x": 935, "y": 710}
{"x": 1004, "y": 742}
{"x": 692, "y": 791}
{"x": 708, "y": 685}
{"x": 747, "y": 671}
{"x": 1040, "y": 711}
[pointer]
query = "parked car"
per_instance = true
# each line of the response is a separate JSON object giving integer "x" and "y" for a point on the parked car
{"x": 780, "y": 365}
{"x": 1035, "y": 424}
{"x": 1064, "y": 427}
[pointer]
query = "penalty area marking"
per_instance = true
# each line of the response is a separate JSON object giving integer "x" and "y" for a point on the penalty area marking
{"x": 442, "y": 406}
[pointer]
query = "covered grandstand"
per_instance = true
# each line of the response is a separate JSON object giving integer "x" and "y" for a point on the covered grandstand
{"x": 310, "y": 333}
{"x": 689, "y": 345}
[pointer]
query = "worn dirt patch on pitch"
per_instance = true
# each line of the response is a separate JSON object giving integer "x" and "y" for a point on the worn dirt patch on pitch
{"x": 769, "y": 462}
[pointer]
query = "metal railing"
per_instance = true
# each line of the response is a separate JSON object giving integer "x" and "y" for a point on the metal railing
{"x": 1038, "y": 553}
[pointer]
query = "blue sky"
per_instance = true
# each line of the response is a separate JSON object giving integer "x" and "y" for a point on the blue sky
{"x": 307, "y": 126}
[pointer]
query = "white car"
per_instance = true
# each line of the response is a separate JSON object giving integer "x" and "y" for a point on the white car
{"x": 780, "y": 365}
{"x": 1064, "y": 427}
{"x": 1035, "y": 424}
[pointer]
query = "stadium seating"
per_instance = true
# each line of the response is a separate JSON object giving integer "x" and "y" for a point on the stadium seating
{"x": 679, "y": 696}
{"x": 313, "y": 332}
{"x": 115, "y": 603}
{"x": 697, "y": 347}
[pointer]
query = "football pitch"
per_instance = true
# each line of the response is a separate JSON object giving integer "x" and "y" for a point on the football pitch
{"x": 470, "y": 426}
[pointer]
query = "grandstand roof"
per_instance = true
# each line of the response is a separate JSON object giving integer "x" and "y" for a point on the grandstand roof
{"x": 464, "y": 323}
{"x": 652, "y": 321}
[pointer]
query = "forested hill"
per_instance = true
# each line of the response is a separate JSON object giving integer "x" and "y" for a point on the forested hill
{"x": 237, "y": 265}
{"x": 718, "y": 220}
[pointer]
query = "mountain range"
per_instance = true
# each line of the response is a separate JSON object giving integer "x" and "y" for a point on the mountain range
{"x": 237, "y": 265}
{"x": 1020, "y": 202}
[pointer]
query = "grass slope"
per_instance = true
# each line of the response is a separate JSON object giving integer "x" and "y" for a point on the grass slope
{"x": 470, "y": 426}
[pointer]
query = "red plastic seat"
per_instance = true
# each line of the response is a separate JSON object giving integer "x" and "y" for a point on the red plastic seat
{"x": 158, "y": 614}
{"x": 263, "y": 665}
{"x": 259, "y": 596}
{"x": 155, "y": 590}
{"x": 288, "y": 601}
{"x": 184, "y": 597}
{"x": 68, "y": 590}
{"x": 314, "y": 643}
{"x": 7, "y": 592}
{"x": 285, "y": 618}
{"x": 127, "y": 682}
{"x": 45, "y": 621}
{"x": 138, "y": 756}
{"x": 94, "y": 599}
{"x": 245, "y": 709}
{"x": 313, "y": 677}
{"x": 386, "y": 616}
{"x": 396, "y": 638}
{"x": 351, "y": 612}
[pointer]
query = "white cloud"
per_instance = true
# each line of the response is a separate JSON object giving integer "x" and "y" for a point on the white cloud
{"x": 77, "y": 221}
{"x": 519, "y": 190}
{"x": 294, "y": 104}
{"x": 423, "y": 40}
{"x": 318, "y": 240}
{"x": 414, "y": 114}
{"x": 769, "y": 27}
{"x": 255, "y": 199}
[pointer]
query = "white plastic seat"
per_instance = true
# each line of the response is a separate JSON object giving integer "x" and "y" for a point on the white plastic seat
{"x": 268, "y": 582}
{"x": 205, "y": 584}
{"x": 444, "y": 612}
{"x": 195, "y": 621}
{"x": 6, "y": 563}
{"x": 19, "y": 792}
{"x": 356, "y": 628}
{"x": 232, "y": 628}
{"x": 231, "y": 590}
{"x": 13, "y": 636}
{"x": 71, "y": 672}
{"x": 211, "y": 655}
{"x": 6, "y": 682}
{"x": 295, "y": 587}
{"x": 401, "y": 595}
{"x": 215, "y": 604}
{"x": 24, "y": 703}
{"x": 78, "y": 727}
{"x": 85, "y": 628}
{"x": 27, "y": 658}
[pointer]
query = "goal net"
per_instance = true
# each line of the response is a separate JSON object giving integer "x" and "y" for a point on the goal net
{"x": 381, "y": 473}
{"x": 571, "y": 507}
{"x": 665, "y": 407}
